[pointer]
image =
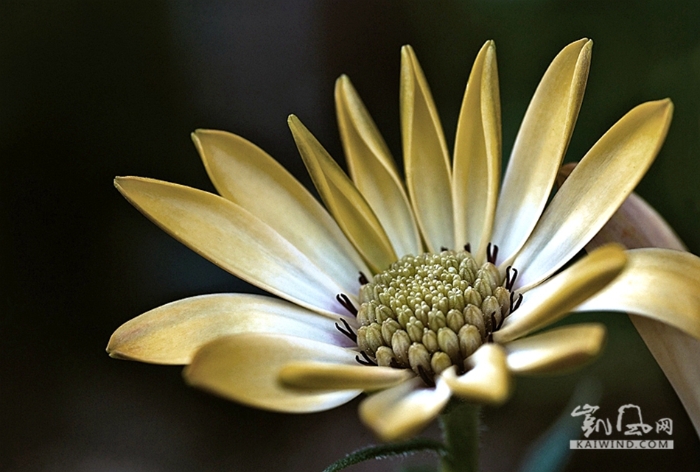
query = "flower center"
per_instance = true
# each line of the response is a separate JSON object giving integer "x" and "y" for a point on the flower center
{"x": 431, "y": 311}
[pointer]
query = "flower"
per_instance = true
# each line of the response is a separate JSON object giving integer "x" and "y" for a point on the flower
{"x": 436, "y": 285}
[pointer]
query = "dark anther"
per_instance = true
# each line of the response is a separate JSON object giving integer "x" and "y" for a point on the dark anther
{"x": 363, "y": 279}
{"x": 366, "y": 360}
{"x": 511, "y": 275}
{"x": 347, "y": 304}
{"x": 347, "y": 331}
{"x": 494, "y": 324}
{"x": 468, "y": 247}
{"x": 491, "y": 253}
{"x": 515, "y": 302}
{"x": 424, "y": 375}
{"x": 394, "y": 363}
{"x": 443, "y": 249}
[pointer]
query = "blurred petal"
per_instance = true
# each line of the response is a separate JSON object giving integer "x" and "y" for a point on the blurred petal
{"x": 594, "y": 191}
{"x": 425, "y": 156}
{"x": 402, "y": 411}
{"x": 325, "y": 376}
{"x": 487, "y": 382}
{"x": 540, "y": 147}
{"x": 477, "y": 156}
{"x": 245, "y": 368}
{"x": 661, "y": 284}
{"x": 557, "y": 350}
{"x": 171, "y": 334}
{"x": 373, "y": 170}
{"x": 552, "y": 300}
{"x": 636, "y": 224}
{"x": 249, "y": 177}
{"x": 348, "y": 207}
{"x": 233, "y": 239}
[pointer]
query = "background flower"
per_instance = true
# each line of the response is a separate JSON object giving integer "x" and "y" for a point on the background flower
{"x": 91, "y": 91}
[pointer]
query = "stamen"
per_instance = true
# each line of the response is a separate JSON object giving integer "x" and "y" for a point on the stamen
{"x": 515, "y": 303}
{"x": 366, "y": 359}
{"x": 347, "y": 304}
{"x": 443, "y": 249}
{"x": 510, "y": 279}
{"x": 491, "y": 253}
{"x": 424, "y": 375}
{"x": 468, "y": 247}
{"x": 363, "y": 279}
{"x": 347, "y": 331}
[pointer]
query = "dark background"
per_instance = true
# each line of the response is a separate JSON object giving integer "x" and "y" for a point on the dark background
{"x": 91, "y": 90}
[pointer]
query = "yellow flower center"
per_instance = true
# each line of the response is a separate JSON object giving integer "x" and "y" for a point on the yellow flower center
{"x": 431, "y": 311}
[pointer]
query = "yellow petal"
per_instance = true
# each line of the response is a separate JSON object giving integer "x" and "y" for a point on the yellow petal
{"x": 477, "y": 155}
{"x": 373, "y": 170}
{"x": 557, "y": 350}
{"x": 324, "y": 376}
{"x": 636, "y": 224}
{"x": 348, "y": 207}
{"x": 661, "y": 284}
{"x": 235, "y": 240}
{"x": 594, "y": 191}
{"x": 402, "y": 411}
{"x": 249, "y": 177}
{"x": 487, "y": 382}
{"x": 171, "y": 334}
{"x": 425, "y": 156}
{"x": 540, "y": 147}
{"x": 245, "y": 368}
{"x": 552, "y": 300}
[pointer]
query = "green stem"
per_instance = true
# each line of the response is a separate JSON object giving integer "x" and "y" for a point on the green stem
{"x": 382, "y": 451}
{"x": 460, "y": 429}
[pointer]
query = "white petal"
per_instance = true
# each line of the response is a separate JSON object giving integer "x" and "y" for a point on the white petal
{"x": 425, "y": 156}
{"x": 171, "y": 334}
{"x": 325, "y": 376}
{"x": 245, "y": 368}
{"x": 477, "y": 155}
{"x": 594, "y": 191}
{"x": 487, "y": 382}
{"x": 373, "y": 170}
{"x": 661, "y": 284}
{"x": 249, "y": 177}
{"x": 557, "y": 350}
{"x": 402, "y": 411}
{"x": 555, "y": 298}
{"x": 344, "y": 201}
{"x": 235, "y": 240}
{"x": 540, "y": 147}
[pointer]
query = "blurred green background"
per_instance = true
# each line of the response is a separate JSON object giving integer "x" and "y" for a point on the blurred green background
{"x": 90, "y": 90}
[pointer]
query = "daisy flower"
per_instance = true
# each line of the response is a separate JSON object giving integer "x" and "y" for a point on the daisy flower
{"x": 415, "y": 290}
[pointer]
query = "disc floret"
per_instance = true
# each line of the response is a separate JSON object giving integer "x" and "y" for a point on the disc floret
{"x": 431, "y": 311}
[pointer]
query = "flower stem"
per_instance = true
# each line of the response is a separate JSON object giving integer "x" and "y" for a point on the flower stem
{"x": 460, "y": 429}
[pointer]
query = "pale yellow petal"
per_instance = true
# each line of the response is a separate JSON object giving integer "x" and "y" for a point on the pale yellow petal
{"x": 324, "y": 376}
{"x": 402, "y": 411}
{"x": 540, "y": 147}
{"x": 557, "y": 350}
{"x": 235, "y": 240}
{"x": 636, "y": 224}
{"x": 661, "y": 284}
{"x": 171, "y": 334}
{"x": 373, "y": 170}
{"x": 552, "y": 300}
{"x": 477, "y": 155}
{"x": 425, "y": 156}
{"x": 488, "y": 381}
{"x": 249, "y": 177}
{"x": 245, "y": 368}
{"x": 344, "y": 201}
{"x": 594, "y": 191}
